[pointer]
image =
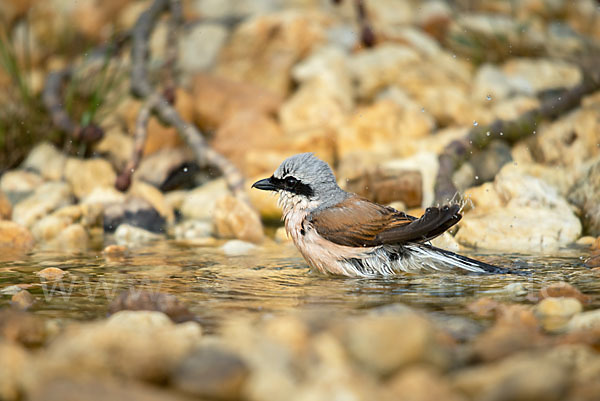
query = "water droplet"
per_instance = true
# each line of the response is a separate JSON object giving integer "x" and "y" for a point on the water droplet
{"x": 476, "y": 177}
{"x": 534, "y": 132}
{"x": 488, "y": 97}
{"x": 487, "y": 133}
{"x": 501, "y": 133}
{"x": 454, "y": 56}
{"x": 423, "y": 110}
{"x": 185, "y": 169}
{"x": 475, "y": 123}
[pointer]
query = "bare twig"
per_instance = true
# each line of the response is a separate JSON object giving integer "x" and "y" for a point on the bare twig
{"x": 141, "y": 87}
{"x": 459, "y": 151}
{"x": 141, "y": 129}
{"x": 52, "y": 99}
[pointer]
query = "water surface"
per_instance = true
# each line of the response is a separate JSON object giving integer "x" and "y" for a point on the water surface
{"x": 273, "y": 279}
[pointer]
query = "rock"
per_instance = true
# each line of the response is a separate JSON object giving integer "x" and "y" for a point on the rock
{"x": 237, "y": 247}
{"x": 385, "y": 187}
{"x": 48, "y": 161}
{"x": 117, "y": 146}
{"x": 532, "y": 217}
{"x": 246, "y": 132}
{"x": 532, "y": 76}
{"x": 558, "y": 290}
{"x": 219, "y": 99}
{"x": 585, "y": 320}
{"x": 516, "y": 328}
{"x": 138, "y": 299}
{"x": 585, "y": 194}
{"x": 587, "y": 241}
{"x": 384, "y": 128}
{"x": 191, "y": 229}
{"x": 160, "y": 166}
{"x": 233, "y": 218}
{"x": 570, "y": 140}
{"x": 320, "y": 141}
{"x": 85, "y": 175}
{"x": 199, "y": 46}
{"x": 13, "y": 365}
{"x": 200, "y": 202}
{"x": 281, "y": 236}
{"x": 22, "y": 300}
{"x": 45, "y": 199}
{"x": 5, "y": 207}
{"x": 154, "y": 197}
{"x": 104, "y": 197}
{"x": 20, "y": 181}
{"x": 73, "y": 388}
{"x": 124, "y": 345}
{"x": 49, "y": 227}
{"x": 136, "y": 212}
{"x": 377, "y": 68}
{"x": 51, "y": 274}
{"x": 13, "y": 289}
{"x": 594, "y": 260}
{"x": 74, "y": 238}
{"x": 422, "y": 384}
{"x": 554, "y": 313}
{"x": 325, "y": 95}
{"x": 475, "y": 34}
{"x": 21, "y": 327}
{"x": 387, "y": 343}
{"x": 491, "y": 83}
{"x": 127, "y": 234}
{"x": 523, "y": 376}
{"x": 15, "y": 238}
{"x": 213, "y": 373}
{"x": 115, "y": 250}
{"x": 274, "y": 42}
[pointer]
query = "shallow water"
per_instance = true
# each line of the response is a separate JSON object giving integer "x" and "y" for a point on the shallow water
{"x": 273, "y": 279}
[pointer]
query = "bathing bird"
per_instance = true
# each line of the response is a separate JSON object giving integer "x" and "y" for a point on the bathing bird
{"x": 341, "y": 233}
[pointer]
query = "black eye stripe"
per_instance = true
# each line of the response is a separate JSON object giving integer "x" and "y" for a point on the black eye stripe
{"x": 293, "y": 185}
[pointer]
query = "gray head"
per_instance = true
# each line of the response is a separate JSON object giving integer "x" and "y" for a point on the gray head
{"x": 304, "y": 175}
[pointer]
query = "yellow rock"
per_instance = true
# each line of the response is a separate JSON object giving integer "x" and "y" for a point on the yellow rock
{"x": 14, "y": 237}
{"x": 233, "y": 218}
{"x": 85, "y": 175}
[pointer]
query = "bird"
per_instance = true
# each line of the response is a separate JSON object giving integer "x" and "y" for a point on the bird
{"x": 340, "y": 233}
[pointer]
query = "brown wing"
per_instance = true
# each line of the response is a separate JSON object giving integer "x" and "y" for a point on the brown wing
{"x": 359, "y": 222}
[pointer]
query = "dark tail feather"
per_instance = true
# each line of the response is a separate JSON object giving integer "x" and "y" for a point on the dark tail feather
{"x": 465, "y": 263}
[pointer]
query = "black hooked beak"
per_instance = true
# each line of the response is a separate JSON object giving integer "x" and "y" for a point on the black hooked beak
{"x": 266, "y": 184}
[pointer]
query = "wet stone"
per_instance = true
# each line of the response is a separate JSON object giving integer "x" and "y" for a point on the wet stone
{"x": 51, "y": 273}
{"x": 138, "y": 299}
{"x": 14, "y": 237}
{"x": 22, "y": 300}
{"x": 127, "y": 235}
{"x": 554, "y": 313}
{"x": 384, "y": 344}
{"x": 135, "y": 212}
{"x": 211, "y": 372}
{"x": 233, "y": 218}
{"x": 560, "y": 289}
{"x": 22, "y": 327}
{"x": 13, "y": 365}
{"x": 142, "y": 345}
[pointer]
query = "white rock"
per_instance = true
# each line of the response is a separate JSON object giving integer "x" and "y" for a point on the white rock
{"x": 46, "y": 198}
{"x": 199, "y": 46}
{"x": 20, "y": 181}
{"x": 531, "y": 216}
{"x": 47, "y": 160}
{"x": 127, "y": 234}
{"x": 200, "y": 203}
{"x": 192, "y": 229}
{"x": 237, "y": 247}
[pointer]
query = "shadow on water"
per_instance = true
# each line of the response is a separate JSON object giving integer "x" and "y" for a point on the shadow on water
{"x": 272, "y": 280}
